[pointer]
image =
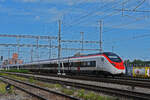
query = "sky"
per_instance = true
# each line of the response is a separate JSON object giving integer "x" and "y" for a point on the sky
{"x": 126, "y": 33}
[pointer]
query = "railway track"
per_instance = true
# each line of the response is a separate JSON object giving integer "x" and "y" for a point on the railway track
{"x": 133, "y": 78}
{"x": 94, "y": 77}
{"x": 37, "y": 91}
{"x": 100, "y": 86}
{"x": 133, "y": 82}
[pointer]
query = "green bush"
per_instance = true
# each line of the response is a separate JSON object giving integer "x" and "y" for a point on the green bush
{"x": 81, "y": 93}
{"x": 16, "y": 70}
{"x": 58, "y": 86}
{"x": 31, "y": 80}
{"x": 90, "y": 96}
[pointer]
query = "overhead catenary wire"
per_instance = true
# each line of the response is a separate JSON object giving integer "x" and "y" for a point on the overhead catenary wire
{"x": 90, "y": 14}
{"x": 139, "y": 5}
{"x": 120, "y": 25}
{"x": 137, "y": 19}
{"x": 130, "y": 38}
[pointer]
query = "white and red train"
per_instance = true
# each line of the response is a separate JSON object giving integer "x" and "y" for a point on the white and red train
{"x": 100, "y": 63}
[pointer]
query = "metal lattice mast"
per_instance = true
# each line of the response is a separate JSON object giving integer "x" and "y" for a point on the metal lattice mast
{"x": 59, "y": 46}
{"x": 82, "y": 40}
{"x": 101, "y": 49}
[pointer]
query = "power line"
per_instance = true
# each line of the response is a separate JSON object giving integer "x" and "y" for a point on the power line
{"x": 44, "y": 46}
{"x": 28, "y": 36}
{"x": 91, "y": 13}
{"x": 79, "y": 2}
{"x": 78, "y": 22}
{"x": 131, "y": 38}
{"x": 129, "y": 10}
{"x": 138, "y": 5}
{"x": 120, "y": 25}
{"x": 125, "y": 15}
{"x": 101, "y": 49}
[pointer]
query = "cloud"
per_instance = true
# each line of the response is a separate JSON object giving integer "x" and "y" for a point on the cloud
{"x": 67, "y": 2}
{"x": 2, "y": 0}
{"x": 47, "y": 14}
{"x": 37, "y": 17}
{"x": 14, "y": 11}
{"x": 53, "y": 14}
{"x": 26, "y": 1}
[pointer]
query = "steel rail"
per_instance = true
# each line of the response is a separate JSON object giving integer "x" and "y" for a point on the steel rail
{"x": 41, "y": 88}
{"x": 22, "y": 89}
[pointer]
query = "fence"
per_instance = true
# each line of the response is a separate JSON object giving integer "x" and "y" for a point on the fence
{"x": 138, "y": 70}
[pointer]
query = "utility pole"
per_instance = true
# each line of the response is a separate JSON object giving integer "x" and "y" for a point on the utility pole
{"x": 112, "y": 48}
{"x": 101, "y": 49}
{"x": 122, "y": 7}
{"x": 59, "y": 47}
{"x": 82, "y": 39}
{"x": 8, "y": 53}
{"x": 37, "y": 47}
{"x": 18, "y": 46}
{"x": 50, "y": 45}
{"x": 32, "y": 54}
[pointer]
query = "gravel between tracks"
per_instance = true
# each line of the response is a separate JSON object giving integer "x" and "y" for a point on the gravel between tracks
{"x": 17, "y": 95}
{"x": 125, "y": 87}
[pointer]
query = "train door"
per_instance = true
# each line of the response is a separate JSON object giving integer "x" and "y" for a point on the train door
{"x": 78, "y": 67}
{"x": 100, "y": 63}
{"x": 69, "y": 66}
{"x": 63, "y": 69}
{"x": 100, "y": 66}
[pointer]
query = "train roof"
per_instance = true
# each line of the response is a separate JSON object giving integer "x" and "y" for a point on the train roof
{"x": 82, "y": 55}
{"x": 108, "y": 53}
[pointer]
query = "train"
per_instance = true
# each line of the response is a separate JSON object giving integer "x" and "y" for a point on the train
{"x": 106, "y": 63}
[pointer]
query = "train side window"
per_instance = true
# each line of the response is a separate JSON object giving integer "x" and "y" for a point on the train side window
{"x": 88, "y": 63}
{"x": 93, "y": 63}
{"x": 84, "y": 64}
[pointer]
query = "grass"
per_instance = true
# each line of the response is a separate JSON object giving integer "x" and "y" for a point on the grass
{"x": 67, "y": 91}
{"x": 58, "y": 86}
{"x": 3, "y": 74}
{"x": 45, "y": 85}
{"x": 16, "y": 70}
{"x": 87, "y": 95}
{"x": 18, "y": 78}
{"x": 3, "y": 90}
{"x": 81, "y": 93}
{"x": 32, "y": 80}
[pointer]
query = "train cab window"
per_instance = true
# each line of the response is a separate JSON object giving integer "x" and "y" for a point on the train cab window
{"x": 113, "y": 57}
